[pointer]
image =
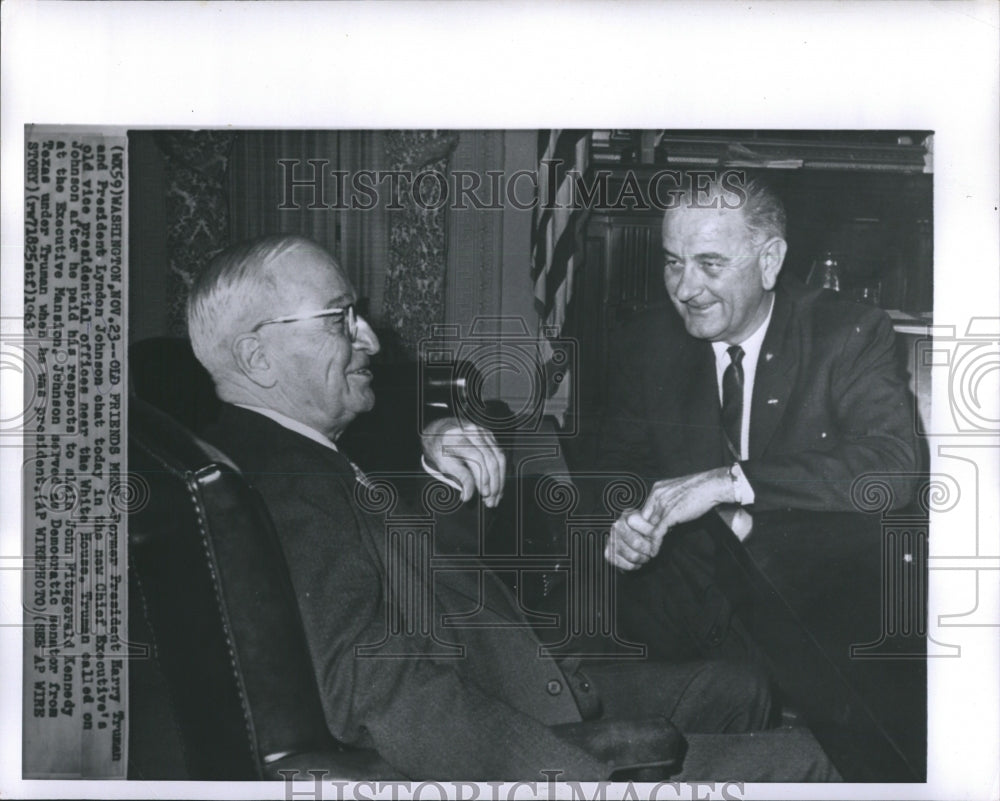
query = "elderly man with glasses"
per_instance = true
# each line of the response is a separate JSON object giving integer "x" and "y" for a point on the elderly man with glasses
{"x": 308, "y": 369}
{"x": 274, "y": 323}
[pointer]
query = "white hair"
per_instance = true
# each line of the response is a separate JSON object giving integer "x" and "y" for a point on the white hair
{"x": 226, "y": 298}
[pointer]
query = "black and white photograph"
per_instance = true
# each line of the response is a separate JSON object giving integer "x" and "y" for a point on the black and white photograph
{"x": 486, "y": 453}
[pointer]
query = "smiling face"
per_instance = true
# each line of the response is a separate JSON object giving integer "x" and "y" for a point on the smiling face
{"x": 322, "y": 377}
{"x": 718, "y": 279}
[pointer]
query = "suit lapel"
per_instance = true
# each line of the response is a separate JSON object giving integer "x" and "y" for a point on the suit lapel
{"x": 779, "y": 358}
{"x": 490, "y": 592}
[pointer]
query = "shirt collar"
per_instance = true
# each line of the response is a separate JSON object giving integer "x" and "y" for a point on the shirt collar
{"x": 752, "y": 344}
{"x": 291, "y": 424}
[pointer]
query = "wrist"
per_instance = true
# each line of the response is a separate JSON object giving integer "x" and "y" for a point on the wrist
{"x": 728, "y": 490}
{"x": 742, "y": 489}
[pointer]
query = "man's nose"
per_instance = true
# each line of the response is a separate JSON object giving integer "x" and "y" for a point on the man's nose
{"x": 366, "y": 340}
{"x": 689, "y": 285}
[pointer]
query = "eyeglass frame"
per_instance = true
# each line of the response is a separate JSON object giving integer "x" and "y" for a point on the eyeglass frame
{"x": 348, "y": 312}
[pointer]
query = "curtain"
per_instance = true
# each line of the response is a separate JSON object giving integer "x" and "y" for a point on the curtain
{"x": 264, "y": 198}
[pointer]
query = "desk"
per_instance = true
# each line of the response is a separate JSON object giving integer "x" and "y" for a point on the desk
{"x": 837, "y": 604}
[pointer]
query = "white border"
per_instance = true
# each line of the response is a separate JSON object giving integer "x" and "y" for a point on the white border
{"x": 898, "y": 65}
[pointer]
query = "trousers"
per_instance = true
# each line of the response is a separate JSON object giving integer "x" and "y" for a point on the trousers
{"x": 722, "y": 708}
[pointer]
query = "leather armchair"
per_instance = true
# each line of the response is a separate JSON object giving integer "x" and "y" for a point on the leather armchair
{"x": 210, "y": 587}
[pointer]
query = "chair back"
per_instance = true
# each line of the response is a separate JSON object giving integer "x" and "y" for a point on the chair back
{"x": 213, "y": 590}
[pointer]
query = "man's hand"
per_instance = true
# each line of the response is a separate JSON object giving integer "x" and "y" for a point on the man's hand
{"x": 631, "y": 543}
{"x": 468, "y": 453}
{"x": 679, "y": 500}
{"x": 636, "y": 536}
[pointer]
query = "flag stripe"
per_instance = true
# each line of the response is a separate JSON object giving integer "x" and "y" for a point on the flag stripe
{"x": 553, "y": 233}
{"x": 556, "y": 226}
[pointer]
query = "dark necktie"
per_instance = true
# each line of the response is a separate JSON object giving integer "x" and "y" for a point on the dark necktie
{"x": 732, "y": 400}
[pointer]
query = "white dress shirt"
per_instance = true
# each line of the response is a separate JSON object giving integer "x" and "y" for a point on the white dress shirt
{"x": 751, "y": 354}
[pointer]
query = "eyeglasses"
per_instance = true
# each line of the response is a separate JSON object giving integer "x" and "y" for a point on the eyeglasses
{"x": 347, "y": 314}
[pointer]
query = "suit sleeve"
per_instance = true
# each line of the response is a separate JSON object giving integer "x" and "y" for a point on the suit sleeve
{"x": 624, "y": 439}
{"x": 421, "y": 715}
{"x": 872, "y": 412}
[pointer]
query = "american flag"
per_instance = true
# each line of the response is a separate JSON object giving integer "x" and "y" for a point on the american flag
{"x": 556, "y": 229}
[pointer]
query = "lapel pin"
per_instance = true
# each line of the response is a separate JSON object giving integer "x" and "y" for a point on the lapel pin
{"x": 768, "y": 357}
{"x": 772, "y": 401}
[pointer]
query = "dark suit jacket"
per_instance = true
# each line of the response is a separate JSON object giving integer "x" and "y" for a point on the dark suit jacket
{"x": 830, "y": 404}
{"x": 480, "y": 714}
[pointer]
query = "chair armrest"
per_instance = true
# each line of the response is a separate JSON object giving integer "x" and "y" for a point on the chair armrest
{"x": 647, "y": 749}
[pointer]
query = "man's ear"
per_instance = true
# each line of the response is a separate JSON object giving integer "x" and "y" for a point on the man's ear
{"x": 772, "y": 256}
{"x": 252, "y": 361}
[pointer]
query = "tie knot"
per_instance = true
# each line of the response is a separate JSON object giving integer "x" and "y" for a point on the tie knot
{"x": 735, "y": 354}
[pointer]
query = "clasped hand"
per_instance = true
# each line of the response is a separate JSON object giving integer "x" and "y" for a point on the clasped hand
{"x": 637, "y": 535}
{"x": 467, "y": 453}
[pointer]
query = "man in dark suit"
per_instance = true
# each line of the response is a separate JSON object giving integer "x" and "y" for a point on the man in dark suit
{"x": 274, "y": 323}
{"x": 754, "y": 394}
